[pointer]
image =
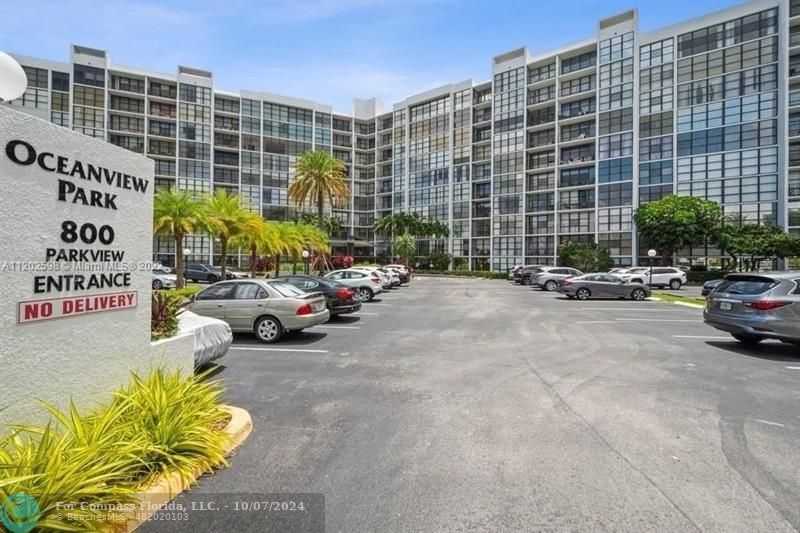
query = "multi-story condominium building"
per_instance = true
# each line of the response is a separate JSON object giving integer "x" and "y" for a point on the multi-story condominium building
{"x": 556, "y": 146}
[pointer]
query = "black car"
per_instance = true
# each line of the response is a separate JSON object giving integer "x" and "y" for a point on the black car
{"x": 709, "y": 286}
{"x": 340, "y": 298}
{"x": 524, "y": 276}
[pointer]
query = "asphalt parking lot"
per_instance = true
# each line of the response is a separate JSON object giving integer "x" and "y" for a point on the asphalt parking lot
{"x": 478, "y": 405}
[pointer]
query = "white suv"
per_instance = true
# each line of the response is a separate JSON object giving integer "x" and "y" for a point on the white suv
{"x": 670, "y": 277}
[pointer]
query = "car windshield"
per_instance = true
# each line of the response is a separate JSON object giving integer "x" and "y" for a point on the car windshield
{"x": 285, "y": 289}
{"x": 160, "y": 271}
{"x": 746, "y": 285}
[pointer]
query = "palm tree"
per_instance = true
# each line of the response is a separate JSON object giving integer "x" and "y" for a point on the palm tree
{"x": 405, "y": 246}
{"x": 259, "y": 237}
{"x": 290, "y": 243}
{"x": 225, "y": 219}
{"x": 176, "y": 213}
{"x": 319, "y": 176}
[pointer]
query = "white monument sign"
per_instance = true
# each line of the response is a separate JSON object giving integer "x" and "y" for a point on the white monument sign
{"x": 75, "y": 259}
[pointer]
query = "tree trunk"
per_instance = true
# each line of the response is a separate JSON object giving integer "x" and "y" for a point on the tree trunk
{"x": 253, "y": 257}
{"x": 667, "y": 256}
{"x": 179, "y": 282}
{"x": 294, "y": 265}
{"x": 223, "y": 257}
{"x": 277, "y": 265}
{"x": 320, "y": 209}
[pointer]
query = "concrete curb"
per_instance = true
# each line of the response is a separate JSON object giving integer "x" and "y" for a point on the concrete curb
{"x": 166, "y": 488}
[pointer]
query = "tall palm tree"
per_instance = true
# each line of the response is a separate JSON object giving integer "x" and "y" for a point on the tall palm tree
{"x": 225, "y": 219}
{"x": 177, "y": 214}
{"x": 319, "y": 177}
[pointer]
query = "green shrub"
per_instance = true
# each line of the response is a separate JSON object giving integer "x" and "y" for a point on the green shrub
{"x": 157, "y": 424}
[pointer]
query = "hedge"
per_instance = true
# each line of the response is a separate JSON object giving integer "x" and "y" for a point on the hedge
{"x": 702, "y": 277}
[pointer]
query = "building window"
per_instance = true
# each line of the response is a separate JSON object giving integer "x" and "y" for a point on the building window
{"x": 655, "y": 173}
{"x": 617, "y": 47}
{"x": 616, "y": 73}
{"x": 61, "y": 81}
{"x": 615, "y": 121}
{"x": 656, "y": 53}
{"x": 658, "y": 148}
{"x": 653, "y": 125}
{"x": 615, "y": 97}
{"x": 617, "y": 145}
{"x": 615, "y": 170}
{"x": 615, "y": 194}
{"x": 86, "y": 75}
{"x": 571, "y": 64}
{"x": 728, "y": 33}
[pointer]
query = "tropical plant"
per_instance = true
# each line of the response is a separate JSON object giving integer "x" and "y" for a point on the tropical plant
{"x": 225, "y": 219}
{"x": 161, "y": 423}
{"x": 584, "y": 257}
{"x": 164, "y": 314}
{"x": 258, "y": 237}
{"x": 676, "y": 222}
{"x": 439, "y": 260}
{"x": 405, "y": 246}
{"x": 176, "y": 214}
{"x": 319, "y": 177}
{"x": 290, "y": 241}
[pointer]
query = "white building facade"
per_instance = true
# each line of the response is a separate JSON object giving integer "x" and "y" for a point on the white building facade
{"x": 555, "y": 147}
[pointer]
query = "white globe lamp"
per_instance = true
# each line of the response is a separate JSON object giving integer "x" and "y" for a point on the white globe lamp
{"x": 13, "y": 80}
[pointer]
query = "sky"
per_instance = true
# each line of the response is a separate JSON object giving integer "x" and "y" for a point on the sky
{"x": 329, "y": 51}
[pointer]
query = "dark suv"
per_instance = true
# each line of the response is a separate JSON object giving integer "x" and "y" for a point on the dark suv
{"x": 340, "y": 299}
{"x": 199, "y": 272}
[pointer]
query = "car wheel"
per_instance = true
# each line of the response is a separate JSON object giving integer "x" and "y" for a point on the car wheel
{"x": 365, "y": 294}
{"x": 157, "y": 285}
{"x": 675, "y": 284}
{"x": 550, "y": 286}
{"x": 212, "y": 278}
{"x": 268, "y": 329}
{"x": 583, "y": 294}
{"x": 748, "y": 340}
{"x": 638, "y": 295}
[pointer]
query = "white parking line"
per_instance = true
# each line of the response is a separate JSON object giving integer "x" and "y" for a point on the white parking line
{"x": 596, "y": 322}
{"x": 793, "y": 367}
{"x": 653, "y": 320}
{"x": 637, "y": 309}
{"x": 359, "y": 313}
{"x": 767, "y": 422}
{"x": 338, "y": 327}
{"x": 257, "y": 349}
{"x": 718, "y": 337}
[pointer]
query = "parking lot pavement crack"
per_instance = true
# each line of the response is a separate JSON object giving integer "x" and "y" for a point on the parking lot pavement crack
{"x": 733, "y": 442}
{"x": 560, "y": 401}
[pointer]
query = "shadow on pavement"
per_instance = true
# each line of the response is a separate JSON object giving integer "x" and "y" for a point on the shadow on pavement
{"x": 345, "y": 319}
{"x": 295, "y": 338}
{"x": 771, "y": 351}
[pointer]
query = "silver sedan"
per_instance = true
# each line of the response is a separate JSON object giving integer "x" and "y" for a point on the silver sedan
{"x": 602, "y": 285}
{"x": 267, "y": 308}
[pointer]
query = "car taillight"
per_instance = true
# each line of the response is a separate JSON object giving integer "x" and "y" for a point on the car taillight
{"x": 765, "y": 305}
{"x": 304, "y": 309}
{"x": 376, "y": 279}
{"x": 566, "y": 281}
{"x": 344, "y": 294}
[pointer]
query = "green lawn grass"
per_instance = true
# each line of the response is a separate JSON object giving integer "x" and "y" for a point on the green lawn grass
{"x": 674, "y": 298}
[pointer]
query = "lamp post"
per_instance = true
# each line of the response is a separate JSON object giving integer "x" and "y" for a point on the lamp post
{"x": 306, "y": 253}
{"x": 651, "y": 254}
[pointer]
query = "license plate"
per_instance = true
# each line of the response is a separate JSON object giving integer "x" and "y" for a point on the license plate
{"x": 724, "y": 306}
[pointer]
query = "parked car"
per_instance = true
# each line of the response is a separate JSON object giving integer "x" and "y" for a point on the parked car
{"x": 385, "y": 276}
{"x": 213, "y": 337}
{"x": 512, "y": 270}
{"x": 200, "y": 272}
{"x": 404, "y": 271}
{"x": 339, "y": 298}
{"x": 365, "y": 285}
{"x": 710, "y": 285}
{"x": 754, "y": 307}
{"x": 269, "y": 308}
{"x": 233, "y": 274}
{"x": 519, "y": 275}
{"x": 163, "y": 279}
{"x": 602, "y": 285}
{"x": 548, "y": 278}
{"x": 674, "y": 278}
{"x": 403, "y": 275}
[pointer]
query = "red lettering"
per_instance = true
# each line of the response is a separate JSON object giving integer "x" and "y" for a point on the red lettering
{"x": 35, "y": 310}
{"x": 67, "y": 307}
